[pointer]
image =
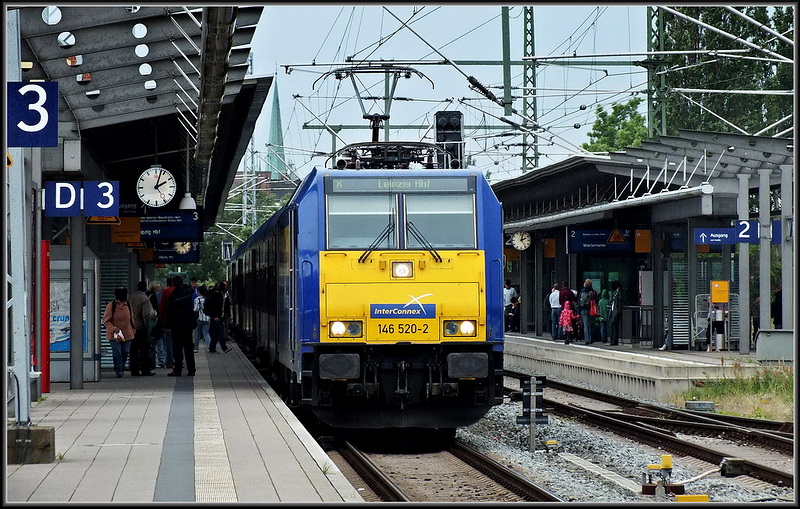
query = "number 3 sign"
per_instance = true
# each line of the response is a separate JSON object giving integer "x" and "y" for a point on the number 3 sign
{"x": 32, "y": 114}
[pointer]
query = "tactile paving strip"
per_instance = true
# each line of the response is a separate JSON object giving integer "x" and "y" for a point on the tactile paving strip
{"x": 213, "y": 479}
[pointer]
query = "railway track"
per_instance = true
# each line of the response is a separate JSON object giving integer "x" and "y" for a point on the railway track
{"x": 481, "y": 479}
{"x": 657, "y": 426}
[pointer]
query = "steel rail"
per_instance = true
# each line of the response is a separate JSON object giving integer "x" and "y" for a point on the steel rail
{"x": 654, "y": 436}
{"x": 502, "y": 475}
{"x": 372, "y": 475}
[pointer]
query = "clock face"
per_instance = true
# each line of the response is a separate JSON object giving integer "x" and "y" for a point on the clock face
{"x": 156, "y": 187}
{"x": 521, "y": 240}
{"x": 182, "y": 247}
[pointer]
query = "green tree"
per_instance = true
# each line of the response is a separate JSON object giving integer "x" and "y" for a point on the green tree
{"x": 751, "y": 71}
{"x": 623, "y": 127}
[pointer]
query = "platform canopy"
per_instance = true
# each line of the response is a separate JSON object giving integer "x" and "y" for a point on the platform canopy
{"x": 144, "y": 85}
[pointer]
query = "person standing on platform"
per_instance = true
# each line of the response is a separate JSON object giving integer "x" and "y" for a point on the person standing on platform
{"x": 555, "y": 312}
{"x": 585, "y": 298}
{"x": 603, "y": 318}
{"x": 154, "y": 329}
{"x": 615, "y": 313}
{"x": 218, "y": 311}
{"x": 755, "y": 307}
{"x": 166, "y": 334}
{"x": 202, "y": 319}
{"x": 566, "y": 295}
{"x": 193, "y": 284}
{"x": 512, "y": 317}
{"x": 508, "y": 292}
{"x": 120, "y": 330}
{"x": 567, "y": 321}
{"x": 140, "y": 348}
{"x": 776, "y": 308}
{"x": 182, "y": 322}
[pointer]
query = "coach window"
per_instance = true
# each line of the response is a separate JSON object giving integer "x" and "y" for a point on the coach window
{"x": 356, "y": 221}
{"x": 445, "y": 220}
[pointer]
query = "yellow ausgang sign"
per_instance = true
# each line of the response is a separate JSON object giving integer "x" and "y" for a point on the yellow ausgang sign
{"x": 103, "y": 220}
{"x": 719, "y": 292}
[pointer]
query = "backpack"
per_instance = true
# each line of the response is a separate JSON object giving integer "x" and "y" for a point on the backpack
{"x": 585, "y": 298}
{"x": 130, "y": 310}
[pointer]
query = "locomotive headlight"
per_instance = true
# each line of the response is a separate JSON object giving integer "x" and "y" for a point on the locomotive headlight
{"x": 402, "y": 269}
{"x": 354, "y": 329}
{"x": 338, "y": 329}
{"x": 459, "y": 328}
{"x": 346, "y": 329}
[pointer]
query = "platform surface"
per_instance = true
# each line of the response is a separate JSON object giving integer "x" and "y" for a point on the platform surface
{"x": 220, "y": 436}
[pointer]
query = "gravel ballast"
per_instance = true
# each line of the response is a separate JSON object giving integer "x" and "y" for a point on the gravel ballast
{"x": 498, "y": 434}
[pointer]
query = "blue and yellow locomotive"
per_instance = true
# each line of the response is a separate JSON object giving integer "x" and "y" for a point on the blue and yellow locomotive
{"x": 375, "y": 293}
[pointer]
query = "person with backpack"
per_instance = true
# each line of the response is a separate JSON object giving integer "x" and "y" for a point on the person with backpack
{"x": 202, "y": 319}
{"x": 615, "y": 313}
{"x": 603, "y": 304}
{"x": 120, "y": 329}
{"x": 585, "y": 298}
{"x": 140, "y": 347}
{"x": 218, "y": 309}
{"x": 182, "y": 321}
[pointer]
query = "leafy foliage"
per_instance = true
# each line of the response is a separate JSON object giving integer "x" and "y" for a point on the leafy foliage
{"x": 623, "y": 127}
{"x": 752, "y": 71}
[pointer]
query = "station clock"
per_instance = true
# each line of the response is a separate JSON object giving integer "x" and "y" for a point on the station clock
{"x": 156, "y": 186}
{"x": 521, "y": 240}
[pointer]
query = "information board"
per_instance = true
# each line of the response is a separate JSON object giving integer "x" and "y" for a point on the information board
{"x": 617, "y": 240}
{"x": 174, "y": 226}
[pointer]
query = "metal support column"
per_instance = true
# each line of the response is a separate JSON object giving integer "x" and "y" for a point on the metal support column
{"x": 76, "y": 227}
{"x": 787, "y": 249}
{"x": 539, "y": 318}
{"x": 17, "y": 301}
{"x": 743, "y": 210}
{"x": 764, "y": 236}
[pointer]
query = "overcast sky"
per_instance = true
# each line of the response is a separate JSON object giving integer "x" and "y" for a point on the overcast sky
{"x": 327, "y": 34}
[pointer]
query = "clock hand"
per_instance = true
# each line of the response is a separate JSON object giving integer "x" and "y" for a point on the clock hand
{"x": 158, "y": 180}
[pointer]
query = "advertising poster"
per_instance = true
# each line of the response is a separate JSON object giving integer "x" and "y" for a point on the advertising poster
{"x": 60, "y": 318}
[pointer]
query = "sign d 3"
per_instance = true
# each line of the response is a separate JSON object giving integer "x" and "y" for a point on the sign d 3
{"x": 94, "y": 198}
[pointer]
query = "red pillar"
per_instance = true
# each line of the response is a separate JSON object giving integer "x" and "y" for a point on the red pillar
{"x": 45, "y": 323}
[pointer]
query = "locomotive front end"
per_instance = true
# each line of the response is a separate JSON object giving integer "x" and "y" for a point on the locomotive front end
{"x": 407, "y": 335}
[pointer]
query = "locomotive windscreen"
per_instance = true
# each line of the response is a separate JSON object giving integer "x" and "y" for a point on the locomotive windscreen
{"x": 401, "y": 213}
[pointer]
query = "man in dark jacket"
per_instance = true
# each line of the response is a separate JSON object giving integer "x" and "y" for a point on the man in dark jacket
{"x": 182, "y": 321}
{"x": 219, "y": 312}
{"x": 142, "y": 312}
{"x": 615, "y": 312}
{"x": 585, "y": 297}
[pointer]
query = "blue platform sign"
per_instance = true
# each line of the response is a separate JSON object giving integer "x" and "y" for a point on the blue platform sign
{"x": 748, "y": 231}
{"x": 715, "y": 236}
{"x": 93, "y": 198}
{"x": 617, "y": 240}
{"x": 175, "y": 226}
{"x": 32, "y": 114}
